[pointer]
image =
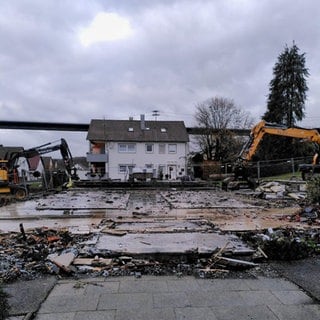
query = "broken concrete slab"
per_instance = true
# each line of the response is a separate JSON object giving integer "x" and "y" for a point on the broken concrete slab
{"x": 165, "y": 226}
{"x": 92, "y": 261}
{"x": 63, "y": 261}
{"x": 75, "y": 224}
{"x": 171, "y": 243}
{"x": 202, "y": 199}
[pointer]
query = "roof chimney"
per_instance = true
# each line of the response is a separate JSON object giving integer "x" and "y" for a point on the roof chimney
{"x": 142, "y": 122}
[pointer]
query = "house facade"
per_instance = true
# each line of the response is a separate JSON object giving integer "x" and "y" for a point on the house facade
{"x": 120, "y": 148}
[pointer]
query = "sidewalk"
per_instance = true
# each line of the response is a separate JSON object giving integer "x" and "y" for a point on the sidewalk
{"x": 149, "y": 297}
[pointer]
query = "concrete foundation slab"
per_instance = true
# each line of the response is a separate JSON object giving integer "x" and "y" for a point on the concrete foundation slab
{"x": 137, "y": 243}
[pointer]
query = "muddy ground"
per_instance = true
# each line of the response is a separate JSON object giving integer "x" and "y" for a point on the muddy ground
{"x": 101, "y": 232}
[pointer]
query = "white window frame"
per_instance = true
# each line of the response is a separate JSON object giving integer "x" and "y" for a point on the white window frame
{"x": 126, "y": 166}
{"x": 172, "y": 148}
{"x": 147, "y": 145}
{"x": 126, "y": 147}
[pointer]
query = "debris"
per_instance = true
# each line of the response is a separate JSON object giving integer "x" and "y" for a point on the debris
{"x": 23, "y": 232}
{"x": 235, "y": 263}
{"x": 113, "y": 232}
{"x": 63, "y": 261}
{"x": 92, "y": 261}
{"x": 262, "y": 252}
{"x": 193, "y": 238}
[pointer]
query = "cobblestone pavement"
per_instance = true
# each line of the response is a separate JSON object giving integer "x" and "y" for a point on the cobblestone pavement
{"x": 170, "y": 297}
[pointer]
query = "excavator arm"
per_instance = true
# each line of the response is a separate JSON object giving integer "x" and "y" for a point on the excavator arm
{"x": 241, "y": 172}
{"x": 263, "y": 128}
{"x": 43, "y": 149}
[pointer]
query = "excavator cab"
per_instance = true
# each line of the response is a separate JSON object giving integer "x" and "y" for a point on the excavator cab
{"x": 9, "y": 185}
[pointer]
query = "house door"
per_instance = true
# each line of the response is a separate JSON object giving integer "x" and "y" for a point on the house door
{"x": 172, "y": 169}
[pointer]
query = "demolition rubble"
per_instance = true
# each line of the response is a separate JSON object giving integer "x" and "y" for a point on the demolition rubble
{"x": 206, "y": 233}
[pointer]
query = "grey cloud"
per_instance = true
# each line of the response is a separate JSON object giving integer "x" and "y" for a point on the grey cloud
{"x": 181, "y": 53}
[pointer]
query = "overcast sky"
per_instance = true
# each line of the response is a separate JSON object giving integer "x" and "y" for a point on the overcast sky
{"x": 77, "y": 60}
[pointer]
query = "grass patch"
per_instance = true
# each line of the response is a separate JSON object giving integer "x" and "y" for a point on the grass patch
{"x": 285, "y": 176}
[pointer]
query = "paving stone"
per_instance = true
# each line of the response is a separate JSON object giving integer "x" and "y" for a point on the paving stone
{"x": 55, "y": 316}
{"x": 26, "y": 296}
{"x": 68, "y": 288}
{"x": 244, "y": 313}
{"x": 258, "y": 298}
{"x": 96, "y": 315}
{"x": 125, "y": 301}
{"x": 274, "y": 284}
{"x": 153, "y": 314}
{"x": 297, "y": 312}
{"x": 222, "y": 284}
{"x": 183, "y": 284}
{"x": 69, "y": 303}
{"x": 140, "y": 285}
{"x": 102, "y": 287}
{"x": 165, "y": 300}
{"x": 192, "y": 313}
{"x": 210, "y": 298}
{"x": 292, "y": 297}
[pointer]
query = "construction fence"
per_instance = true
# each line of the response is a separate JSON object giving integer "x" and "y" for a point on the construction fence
{"x": 258, "y": 169}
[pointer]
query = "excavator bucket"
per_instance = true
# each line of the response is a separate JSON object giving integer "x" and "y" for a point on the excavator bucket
{"x": 70, "y": 183}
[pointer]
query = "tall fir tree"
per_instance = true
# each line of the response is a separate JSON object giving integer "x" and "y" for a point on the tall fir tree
{"x": 288, "y": 88}
{"x": 286, "y": 104}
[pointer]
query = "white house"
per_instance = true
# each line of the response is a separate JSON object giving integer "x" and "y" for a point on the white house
{"x": 121, "y": 147}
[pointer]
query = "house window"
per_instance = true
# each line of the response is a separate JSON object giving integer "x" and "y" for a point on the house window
{"x": 125, "y": 168}
{"x": 163, "y": 130}
{"x": 162, "y": 148}
{"x": 149, "y": 148}
{"x": 122, "y": 168}
{"x": 172, "y": 148}
{"x": 127, "y": 147}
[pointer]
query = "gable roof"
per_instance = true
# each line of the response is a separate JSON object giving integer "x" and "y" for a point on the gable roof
{"x": 130, "y": 130}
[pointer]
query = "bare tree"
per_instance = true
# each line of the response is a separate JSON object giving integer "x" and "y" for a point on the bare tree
{"x": 218, "y": 115}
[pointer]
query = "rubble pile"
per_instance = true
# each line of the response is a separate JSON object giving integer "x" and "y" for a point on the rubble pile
{"x": 201, "y": 233}
{"x": 28, "y": 255}
{"x": 284, "y": 244}
{"x": 24, "y": 255}
{"x": 294, "y": 190}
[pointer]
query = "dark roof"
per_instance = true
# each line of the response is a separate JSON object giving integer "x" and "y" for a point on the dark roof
{"x": 130, "y": 130}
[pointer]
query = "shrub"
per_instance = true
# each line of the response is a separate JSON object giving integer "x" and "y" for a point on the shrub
{"x": 313, "y": 190}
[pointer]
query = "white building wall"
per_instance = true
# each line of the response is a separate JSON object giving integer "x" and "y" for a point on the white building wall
{"x": 174, "y": 164}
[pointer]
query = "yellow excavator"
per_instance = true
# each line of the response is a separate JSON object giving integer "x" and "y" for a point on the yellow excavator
{"x": 10, "y": 185}
{"x": 258, "y": 132}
